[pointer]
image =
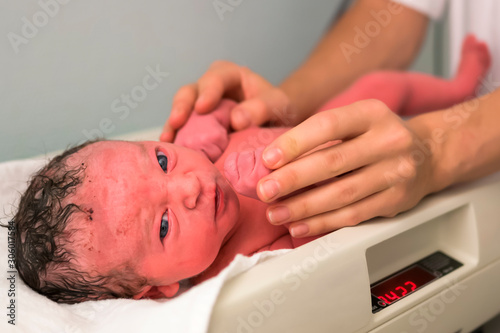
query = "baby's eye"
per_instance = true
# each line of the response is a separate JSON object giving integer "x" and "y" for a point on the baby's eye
{"x": 162, "y": 160}
{"x": 164, "y": 226}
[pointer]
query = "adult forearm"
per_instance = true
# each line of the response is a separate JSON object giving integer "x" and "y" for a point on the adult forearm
{"x": 463, "y": 141}
{"x": 372, "y": 34}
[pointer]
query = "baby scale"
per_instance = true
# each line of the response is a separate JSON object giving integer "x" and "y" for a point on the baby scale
{"x": 435, "y": 268}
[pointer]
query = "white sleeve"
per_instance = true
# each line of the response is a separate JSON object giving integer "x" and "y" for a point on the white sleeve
{"x": 432, "y": 8}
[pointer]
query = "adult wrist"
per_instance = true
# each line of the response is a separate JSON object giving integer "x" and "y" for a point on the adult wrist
{"x": 433, "y": 141}
{"x": 298, "y": 98}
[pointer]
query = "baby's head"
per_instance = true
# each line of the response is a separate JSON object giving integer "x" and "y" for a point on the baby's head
{"x": 115, "y": 219}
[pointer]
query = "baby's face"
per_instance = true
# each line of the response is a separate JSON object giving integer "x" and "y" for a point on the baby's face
{"x": 164, "y": 208}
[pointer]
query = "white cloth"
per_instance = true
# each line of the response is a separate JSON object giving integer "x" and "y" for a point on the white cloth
{"x": 480, "y": 17}
{"x": 190, "y": 312}
{"x": 432, "y": 8}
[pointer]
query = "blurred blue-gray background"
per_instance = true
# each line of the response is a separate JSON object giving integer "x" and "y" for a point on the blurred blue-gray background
{"x": 73, "y": 69}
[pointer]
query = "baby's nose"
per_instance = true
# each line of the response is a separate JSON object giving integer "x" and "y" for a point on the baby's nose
{"x": 189, "y": 188}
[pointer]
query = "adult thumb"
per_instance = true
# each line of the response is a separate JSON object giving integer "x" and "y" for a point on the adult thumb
{"x": 247, "y": 113}
{"x": 271, "y": 107}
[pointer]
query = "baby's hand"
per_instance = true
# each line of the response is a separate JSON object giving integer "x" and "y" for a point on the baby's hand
{"x": 207, "y": 133}
{"x": 244, "y": 170}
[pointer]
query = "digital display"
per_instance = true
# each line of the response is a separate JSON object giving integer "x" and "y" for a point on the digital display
{"x": 401, "y": 284}
{"x": 392, "y": 288}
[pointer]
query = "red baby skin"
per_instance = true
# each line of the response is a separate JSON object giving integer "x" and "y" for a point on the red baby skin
{"x": 244, "y": 170}
{"x": 412, "y": 93}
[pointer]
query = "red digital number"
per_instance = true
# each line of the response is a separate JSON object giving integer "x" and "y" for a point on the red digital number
{"x": 392, "y": 296}
{"x": 404, "y": 290}
{"x": 413, "y": 285}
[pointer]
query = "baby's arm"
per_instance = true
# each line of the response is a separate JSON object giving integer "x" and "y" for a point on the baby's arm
{"x": 207, "y": 133}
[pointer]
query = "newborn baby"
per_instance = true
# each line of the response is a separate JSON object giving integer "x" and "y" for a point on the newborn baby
{"x": 133, "y": 219}
{"x": 114, "y": 219}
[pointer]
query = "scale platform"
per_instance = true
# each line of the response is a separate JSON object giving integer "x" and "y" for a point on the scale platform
{"x": 435, "y": 268}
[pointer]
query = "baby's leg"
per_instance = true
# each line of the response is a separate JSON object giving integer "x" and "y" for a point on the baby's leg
{"x": 408, "y": 93}
{"x": 390, "y": 87}
{"x": 431, "y": 93}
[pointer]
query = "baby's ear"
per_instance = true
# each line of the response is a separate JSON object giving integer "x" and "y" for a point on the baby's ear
{"x": 155, "y": 292}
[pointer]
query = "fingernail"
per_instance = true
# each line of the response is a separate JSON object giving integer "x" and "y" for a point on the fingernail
{"x": 272, "y": 156}
{"x": 299, "y": 230}
{"x": 269, "y": 189}
{"x": 241, "y": 118}
{"x": 278, "y": 214}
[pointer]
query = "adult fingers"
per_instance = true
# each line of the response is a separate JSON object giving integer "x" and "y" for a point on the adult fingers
{"x": 318, "y": 166}
{"x": 378, "y": 204}
{"x": 336, "y": 194}
{"x": 221, "y": 78}
{"x": 168, "y": 133}
{"x": 342, "y": 123}
{"x": 261, "y": 102}
{"x": 271, "y": 106}
{"x": 182, "y": 106}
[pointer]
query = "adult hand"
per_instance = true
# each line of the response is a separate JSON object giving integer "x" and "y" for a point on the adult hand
{"x": 259, "y": 101}
{"x": 380, "y": 168}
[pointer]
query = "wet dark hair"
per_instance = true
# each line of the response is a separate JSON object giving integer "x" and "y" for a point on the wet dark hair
{"x": 45, "y": 257}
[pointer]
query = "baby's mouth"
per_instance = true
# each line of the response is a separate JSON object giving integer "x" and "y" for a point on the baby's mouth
{"x": 217, "y": 201}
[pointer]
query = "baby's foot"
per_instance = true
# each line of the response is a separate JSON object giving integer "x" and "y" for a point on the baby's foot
{"x": 474, "y": 64}
{"x": 244, "y": 170}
